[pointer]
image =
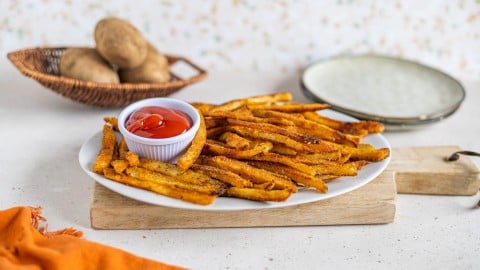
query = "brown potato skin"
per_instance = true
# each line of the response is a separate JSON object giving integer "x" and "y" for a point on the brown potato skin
{"x": 120, "y": 43}
{"x": 155, "y": 69}
{"x": 87, "y": 65}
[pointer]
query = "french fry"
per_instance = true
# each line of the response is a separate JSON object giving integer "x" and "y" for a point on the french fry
{"x": 357, "y": 128}
{"x": 290, "y": 108}
{"x": 272, "y": 157}
{"x": 295, "y": 175}
{"x": 259, "y": 194}
{"x": 269, "y": 136}
{"x": 202, "y": 107}
{"x": 159, "y": 178}
{"x": 159, "y": 166}
{"x": 132, "y": 158}
{"x": 106, "y": 153}
{"x": 363, "y": 152}
{"x": 249, "y": 117}
{"x": 122, "y": 149}
{"x": 225, "y": 176}
{"x": 310, "y": 127}
{"x": 119, "y": 165}
{"x": 192, "y": 153}
{"x": 346, "y": 169}
{"x": 257, "y": 176}
{"x": 174, "y": 192}
{"x": 112, "y": 121}
{"x": 215, "y": 148}
{"x": 275, "y": 129}
{"x": 234, "y": 140}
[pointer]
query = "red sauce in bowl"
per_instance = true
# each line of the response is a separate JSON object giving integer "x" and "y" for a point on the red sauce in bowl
{"x": 158, "y": 122}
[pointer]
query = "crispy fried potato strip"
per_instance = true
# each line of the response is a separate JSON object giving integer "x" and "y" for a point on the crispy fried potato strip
{"x": 107, "y": 151}
{"x": 192, "y": 153}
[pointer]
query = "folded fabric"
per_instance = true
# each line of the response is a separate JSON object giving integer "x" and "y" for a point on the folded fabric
{"x": 25, "y": 245}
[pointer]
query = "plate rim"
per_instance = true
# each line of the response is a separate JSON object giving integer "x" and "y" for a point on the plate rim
{"x": 391, "y": 121}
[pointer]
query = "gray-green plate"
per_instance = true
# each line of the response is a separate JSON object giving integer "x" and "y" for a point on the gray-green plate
{"x": 399, "y": 93}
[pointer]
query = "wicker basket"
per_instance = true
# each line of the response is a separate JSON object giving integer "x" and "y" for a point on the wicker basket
{"x": 42, "y": 64}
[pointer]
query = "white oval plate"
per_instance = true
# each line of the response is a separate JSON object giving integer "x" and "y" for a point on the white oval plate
{"x": 90, "y": 148}
{"x": 394, "y": 91}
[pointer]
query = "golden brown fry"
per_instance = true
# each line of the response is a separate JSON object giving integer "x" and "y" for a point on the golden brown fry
{"x": 289, "y": 108}
{"x": 119, "y": 165}
{"x": 238, "y": 103}
{"x": 323, "y": 158}
{"x": 132, "y": 158}
{"x": 234, "y": 140}
{"x": 122, "y": 149}
{"x": 269, "y": 136}
{"x": 156, "y": 177}
{"x": 174, "y": 192}
{"x": 346, "y": 169}
{"x": 212, "y": 122}
{"x": 216, "y": 148}
{"x": 272, "y": 157}
{"x": 274, "y": 129}
{"x": 259, "y": 194}
{"x": 248, "y": 117}
{"x": 202, "y": 107}
{"x": 357, "y": 128}
{"x": 192, "y": 153}
{"x": 106, "y": 153}
{"x": 363, "y": 152}
{"x": 225, "y": 176}
{"x": 257, "y": 176}
{"x": 276, "y": 97}
{"x": 295, "y": 175}
{"x": 308, "y": 127}
{"x": 159, "y": 166}
{"x": 112, "y": 121}
{"x": 283, "y": 150}
{"x": 215, "y": 132}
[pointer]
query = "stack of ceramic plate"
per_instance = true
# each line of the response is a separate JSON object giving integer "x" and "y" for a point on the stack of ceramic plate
{"x": 399, "y": 93}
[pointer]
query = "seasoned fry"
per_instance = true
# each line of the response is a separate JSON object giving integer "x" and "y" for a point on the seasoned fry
{"x": 105, "y": 155}
{"x": 274, "y": 129}
{"x": 112, "y": 121}
{"x": 259, "y": 194}
{"x": 250, "y": 118}
{"x": 216, "y": 148}
{"x": 313, "y": 129}
{"x": 119, "y": 165}
{"x": 272, "y": 157}
{"x": 269, "y": 136}
{"x": 257, "y": 176}
{"x": 192, "y": 153}
{"x": 202, "y": 107}
{"x": 290, "y": 108}
{"x": 122, "y": 149}
{"x": 174, "y": 192}
{"x": 159, "y": 178}
{"x": 346, "y": 169}
{"x": 159, "y": 166}
{"x": 234, "y": 140}
{"x": 225, "y": 176}
{"x": 357, "y": 128}
{"x": 363, "y": 152}
{"x": 132, "y": 158}
{"x": 283, "y": 150}
{"x": 295, "y": 175}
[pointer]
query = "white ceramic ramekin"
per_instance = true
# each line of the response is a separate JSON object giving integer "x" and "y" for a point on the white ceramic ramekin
{"x": 166, "y": 149}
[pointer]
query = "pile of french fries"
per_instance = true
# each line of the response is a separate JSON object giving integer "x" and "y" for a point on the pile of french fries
{"x": 262, "y": 148}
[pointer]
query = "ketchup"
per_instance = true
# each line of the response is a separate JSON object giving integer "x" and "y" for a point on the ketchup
{"x": 158, "y": 122}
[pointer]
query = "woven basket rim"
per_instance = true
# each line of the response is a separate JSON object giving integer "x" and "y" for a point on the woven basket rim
{"x": 17, "y": 58}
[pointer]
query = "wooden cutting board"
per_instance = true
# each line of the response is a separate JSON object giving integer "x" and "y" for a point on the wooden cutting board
{"x": 412, "y": 170}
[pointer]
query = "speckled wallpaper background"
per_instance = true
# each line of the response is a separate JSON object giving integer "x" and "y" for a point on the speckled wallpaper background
{"x": 268, "y": 36}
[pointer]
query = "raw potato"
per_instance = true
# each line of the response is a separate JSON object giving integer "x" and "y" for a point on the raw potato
{"x": 154, "y": 70}
{"x": 120, "y": 43}
{"x": 87, "y": 65}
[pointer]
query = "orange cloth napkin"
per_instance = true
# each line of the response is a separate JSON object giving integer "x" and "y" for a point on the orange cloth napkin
{"x": 25, "y": 246}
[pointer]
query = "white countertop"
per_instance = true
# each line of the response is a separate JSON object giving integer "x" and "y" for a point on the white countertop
{"x": 41, "y": 134}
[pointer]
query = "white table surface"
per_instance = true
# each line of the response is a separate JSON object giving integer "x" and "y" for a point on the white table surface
{"x": 41, "y": 134}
